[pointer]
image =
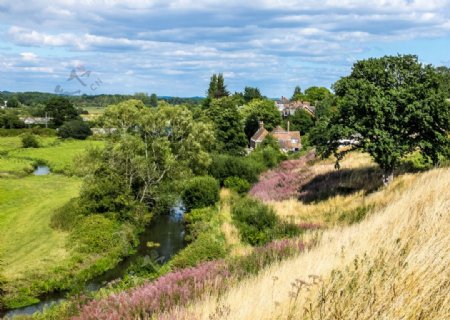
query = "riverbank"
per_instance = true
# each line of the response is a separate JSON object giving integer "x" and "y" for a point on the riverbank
{"x": 165, "y": 232}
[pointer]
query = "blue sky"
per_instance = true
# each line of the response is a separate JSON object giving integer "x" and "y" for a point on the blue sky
{"x": 173, "y": 47}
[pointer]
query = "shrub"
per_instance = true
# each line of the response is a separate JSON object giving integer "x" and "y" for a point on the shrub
{"x": 95, "y": 234}
{"x": 237, "y": 184}
{"x": 255, "y": 220}
{"x": 205, "y": 247}
{"x": 224, "y": 166}
{"x": 76, "y": 129}
{"x": 200, "y": 192}
{"x": 29, "y": 141}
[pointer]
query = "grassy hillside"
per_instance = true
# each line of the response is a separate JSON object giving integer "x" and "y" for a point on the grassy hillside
{"x": 392, "y": 265}
{"x": 28, "y": 243}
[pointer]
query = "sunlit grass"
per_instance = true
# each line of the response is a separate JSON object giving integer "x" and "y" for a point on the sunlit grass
{"x": 27, "y": 241}
{"x": 392, "y": 265}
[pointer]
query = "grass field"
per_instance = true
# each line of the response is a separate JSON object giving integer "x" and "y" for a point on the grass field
{"x": 27, "y": 242}
{"x": 56, "y": 153}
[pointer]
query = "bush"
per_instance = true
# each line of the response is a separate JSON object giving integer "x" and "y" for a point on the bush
{"x": 255, "y": 220}
{"x": 200, "y": 192}
{"x": 96, "y": 234}
{"x": 206, "y": 247}
{"x": 237, "y": 184}
{"x": 76, "y": 129}
{"x": 224, "y": 166}
{"x": 29, "y": 141}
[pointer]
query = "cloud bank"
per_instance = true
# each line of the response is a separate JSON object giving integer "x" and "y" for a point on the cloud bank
{"x": 172, "y": 47}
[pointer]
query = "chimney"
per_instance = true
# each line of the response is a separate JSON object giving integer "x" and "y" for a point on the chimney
{"x": 261, "y": 124}
{"x": 288, "y": 126}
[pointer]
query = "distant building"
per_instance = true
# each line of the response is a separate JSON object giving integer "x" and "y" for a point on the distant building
{"x": 259, "y": 136}
{"x": 287, "y": 140}
{"x": 36, "y": 120}
{"x": 288, "y": 107}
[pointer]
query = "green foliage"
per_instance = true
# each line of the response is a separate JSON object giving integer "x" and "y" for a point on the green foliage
{"x": 260, "y": 110}
{"x": 237, "y": 184}
{"x": 76, "y": 129}
{"x": 10, "y": 120}
{"x": 13, "y": 102}
{"x": 66, "y": 217}
{"x": 316, "y": 94}
{"x": 35, "y": 130}
{"x": 297, "y": 95}
{"x": 206, "y": 239}
{"x": 95, "y": 234}
{"x": 29, "y": 141}
{"x": 444, "y": 73}
{"x": 251, "y": 93}
{"x": 200, "y": 192}
{"x": 151, "y": 148}
{"x": 217, "y": 88}
{"x": 391, "y": 106}
{"x": 302, "y": 121}
{"x": 224, "y": 166}
{"x": 228, "y": 125}
{"x": 60, "y": 109}
{"x": 254, "y": 220}
{"x": 268, "y": 154}
{"x": 415, "y": 162}
{"x": 153, "y": 100}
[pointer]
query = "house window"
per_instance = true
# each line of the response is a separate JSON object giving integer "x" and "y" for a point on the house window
{"x": 294, "y": 140}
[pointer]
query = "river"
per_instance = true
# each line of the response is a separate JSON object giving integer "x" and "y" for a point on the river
{"x": 166, "y": 230}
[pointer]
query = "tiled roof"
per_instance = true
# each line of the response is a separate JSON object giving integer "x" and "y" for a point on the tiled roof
{"x": 260, "y": 134}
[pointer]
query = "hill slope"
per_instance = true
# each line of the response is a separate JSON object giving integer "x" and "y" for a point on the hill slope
{"x": 393, "y": 265}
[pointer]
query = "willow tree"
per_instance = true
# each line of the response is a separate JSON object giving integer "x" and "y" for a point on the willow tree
{"x": 389, "y": 107}
{"x": 147, "y": 149}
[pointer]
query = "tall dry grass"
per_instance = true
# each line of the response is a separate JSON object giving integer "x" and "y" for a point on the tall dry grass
{"x": 393, "y": 265}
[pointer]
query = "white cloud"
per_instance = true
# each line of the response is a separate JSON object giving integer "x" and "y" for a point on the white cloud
{"x": 28, "y": 56}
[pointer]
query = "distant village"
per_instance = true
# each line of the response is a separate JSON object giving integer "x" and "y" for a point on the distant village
{"x": 288, "y": 140}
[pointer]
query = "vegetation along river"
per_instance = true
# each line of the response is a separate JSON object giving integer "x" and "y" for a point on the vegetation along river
{"x": 166, "y": 230}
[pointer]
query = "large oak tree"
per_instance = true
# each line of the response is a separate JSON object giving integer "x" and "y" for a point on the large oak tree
{"x": 389, "y": 107}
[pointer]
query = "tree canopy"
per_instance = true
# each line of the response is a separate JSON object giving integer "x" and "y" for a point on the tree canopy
{"x": 316, "y": 94}
{"x": 217, "y": 88}
{"x": 228, "y": 125}
{"x": 149, "y": 148}
{"x": 251, "y": 93}
{"x": 60, "y": 109}
{"x": 260, "y": 110}
{"x": 389, "y": 107}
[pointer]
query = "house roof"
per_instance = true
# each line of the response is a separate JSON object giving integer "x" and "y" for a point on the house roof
{"x": 260, "y": 134}
{"x": 287, "y": 139}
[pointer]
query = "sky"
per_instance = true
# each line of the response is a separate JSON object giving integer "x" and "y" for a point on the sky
{"x": 173, "y": 47}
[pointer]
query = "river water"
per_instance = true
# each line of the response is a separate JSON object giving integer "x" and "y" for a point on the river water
{"x": 166, "y": 230}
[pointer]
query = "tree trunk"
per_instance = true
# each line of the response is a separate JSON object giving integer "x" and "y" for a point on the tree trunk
{"x": 388, "y": 176}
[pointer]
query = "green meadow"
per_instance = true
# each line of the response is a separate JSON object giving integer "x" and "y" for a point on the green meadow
{"x": 28, "y": 243}
{"x": 29, "y": 246}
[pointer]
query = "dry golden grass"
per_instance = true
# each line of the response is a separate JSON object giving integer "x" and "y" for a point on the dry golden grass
{"x": 329, "y": 212}
{"x": 229, "y": 230}
{"x": 392, "y": 265}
